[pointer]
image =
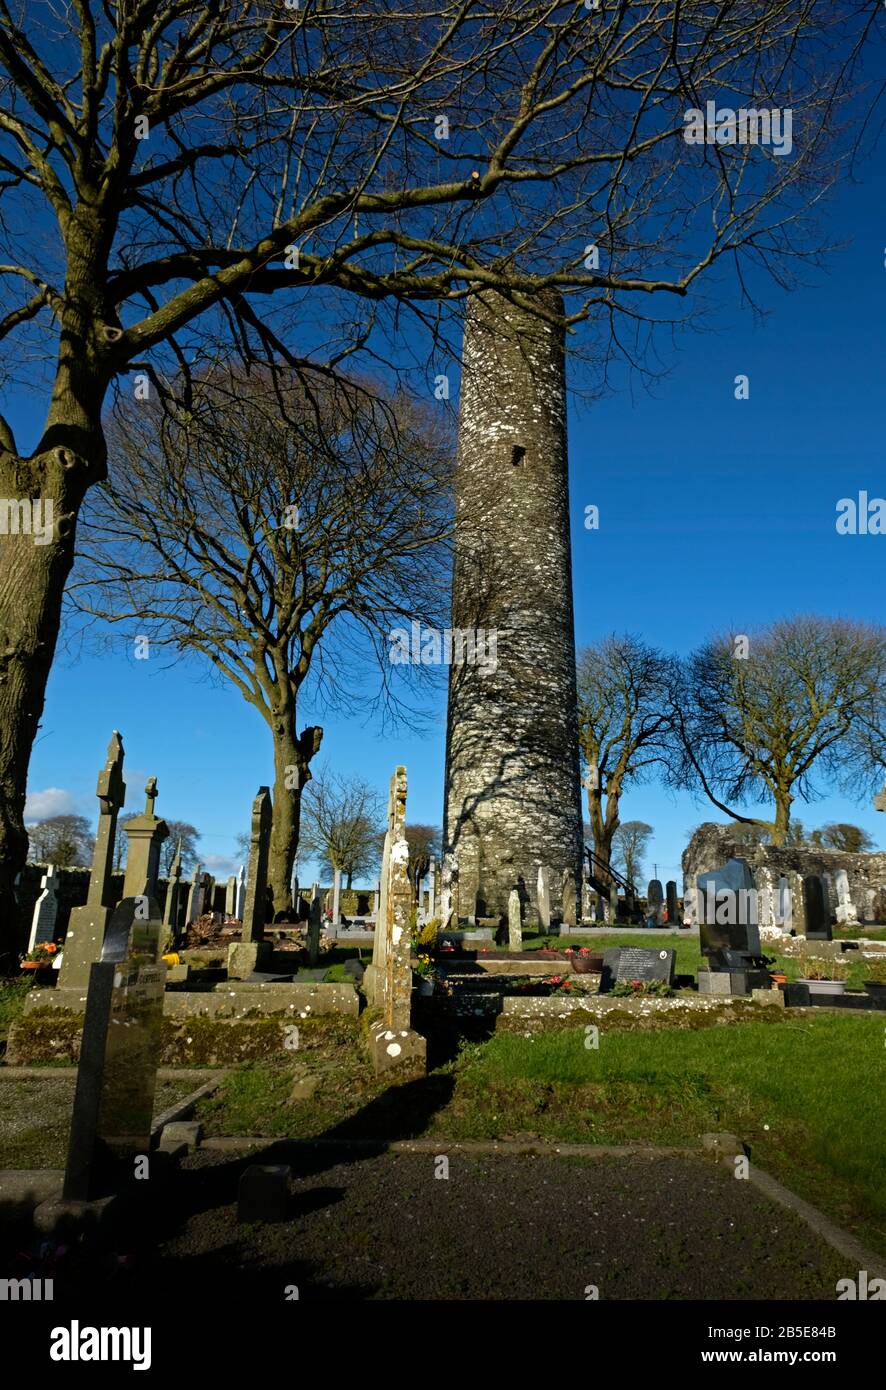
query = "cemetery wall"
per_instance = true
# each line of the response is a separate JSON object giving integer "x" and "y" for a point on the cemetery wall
{"x": 713, "y": 844}
{"x": 73, "y": 887}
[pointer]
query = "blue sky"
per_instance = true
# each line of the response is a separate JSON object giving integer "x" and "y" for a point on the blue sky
{"x": 714, "y": 513}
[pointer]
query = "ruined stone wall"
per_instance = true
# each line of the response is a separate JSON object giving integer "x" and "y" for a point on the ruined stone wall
{"x": 712, "y": 844}
{"x": 512, "y": 797}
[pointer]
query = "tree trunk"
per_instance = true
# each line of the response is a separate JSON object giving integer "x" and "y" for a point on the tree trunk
{"x": 292, "y": 759}
{"x": 783, "y": 801}
{"x": 32, "y": 581}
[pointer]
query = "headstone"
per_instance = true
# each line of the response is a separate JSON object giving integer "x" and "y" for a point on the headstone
{"x": 336, "y": 897}
{"x": 86, "y": 926}
{"x": 45, "y": 909}
{"x": 635, "y": 963}
{"x": 817, "y": 909}
{"x": 144, "y": 834}
{"x": 568, "y": 899}
{"x": 241, "y": 892}
{"x": 671, "y": 899}
{"x": 515, "y": 921}
{"x": 314, "y": 925}
{"x": 119, "y": 1054}
{"x": 846, "y": 913}
{"x": 543, "y": 891}
{"x": 586, "y": 908}
{"x": 655, "y": 900}
{"x": 729, "y": 933}
{"x": 231, "y": 897}
{"x": 196, "y": 892}
{"x": 393, "y": 1044}
{"x": 173, "y": 892}
{"x": 251, "y": 952}
{"x": 432, "y": 888}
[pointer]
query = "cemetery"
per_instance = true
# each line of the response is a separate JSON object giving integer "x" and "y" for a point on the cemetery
{"x": 418, "y": 648}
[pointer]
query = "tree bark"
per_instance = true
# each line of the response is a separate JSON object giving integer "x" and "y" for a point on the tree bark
{"x": 783, "y": 802}
{"x": 32, "y": 581}
{"x": 292, "y": 759}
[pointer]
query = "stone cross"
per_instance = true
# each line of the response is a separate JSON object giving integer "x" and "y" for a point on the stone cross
{"x": 45, "y": 909}
{"x": 515, "y": 921}
{"x": 254, "y": 908}
{"x": 544, "y": 899}
{"x": 241, "y": 892}
{"x": 144, "y": 834}
{"x": 86, "y": 926}
{"x": 568, "y": 899}
{"x": 195, "y": 897}
{"x": 392, "y": 1041}
{"x": 173, "y": 893}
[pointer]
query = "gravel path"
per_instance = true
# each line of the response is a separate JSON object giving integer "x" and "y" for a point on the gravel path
{"x": 384, "y": 1227}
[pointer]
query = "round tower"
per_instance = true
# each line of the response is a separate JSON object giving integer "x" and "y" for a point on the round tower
{"x": 512, "y": 798}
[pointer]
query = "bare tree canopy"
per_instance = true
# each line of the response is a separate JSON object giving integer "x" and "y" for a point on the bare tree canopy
{"x": 63, "y": 840}
{"x": 282, "y": 548}
{"x": 176, "y": 174}
{"x": 342, "y": 818}
{"x": 630, "y": 843}
{"x": 759, "y": 727}
{"x": 624, "y": 725}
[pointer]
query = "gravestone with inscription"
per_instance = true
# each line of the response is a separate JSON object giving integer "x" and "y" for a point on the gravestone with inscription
{"x": 45, "y": 909}
{"x": 636, "y": 963}
{"x": 729, "y": 934}
{"x": 119, "y": 1054}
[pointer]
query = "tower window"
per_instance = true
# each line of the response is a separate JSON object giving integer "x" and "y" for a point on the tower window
{"x": 518, "y": 453}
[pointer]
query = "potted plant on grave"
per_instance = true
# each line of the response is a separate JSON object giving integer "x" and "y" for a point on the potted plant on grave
{"x": 637, "y": 989}
{"x": 584, "y": 961}
{"x": 875, "y": 984}
{"x": 426, "y": 971}
{"x": 823, "y": 976}
{"x": 41, "y": 957}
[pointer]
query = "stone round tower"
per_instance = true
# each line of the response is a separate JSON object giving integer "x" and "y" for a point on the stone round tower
{"x": 512, "y": 798}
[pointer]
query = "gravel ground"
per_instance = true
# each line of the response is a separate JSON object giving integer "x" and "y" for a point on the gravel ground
{"x": 514, "y": 1227}
{"x": 35, "y": 1113}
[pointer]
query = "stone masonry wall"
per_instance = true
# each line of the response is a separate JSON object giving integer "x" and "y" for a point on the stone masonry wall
{"x": 712, "y": 844}
{"x": 512, "y": 797}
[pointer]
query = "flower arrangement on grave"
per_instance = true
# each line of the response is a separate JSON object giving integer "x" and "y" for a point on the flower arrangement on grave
{"x": 424, "y": 966}
{"x": 584, "y": 960}
{"x": 634, "y": 989}
{"x": 427, "y": 935}
{"x": 821, "y": 968}
{"x": 40, "y": 956}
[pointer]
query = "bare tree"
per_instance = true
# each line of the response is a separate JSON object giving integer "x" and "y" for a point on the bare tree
{"x": 283, "y": 549}
{"x": 757, "y": 727}
{"x": 341, "y": 823}
{"x": 629, "y": 845}
{"x": 423, "y": 841}
{"x": 64, "y": 840}
{"x": 174, "y": 172}
{"x": 624, "y": 725}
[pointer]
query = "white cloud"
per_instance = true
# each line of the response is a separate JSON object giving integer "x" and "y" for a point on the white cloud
{"x": 219, "y": 865}
{"x": 54, "y": 801}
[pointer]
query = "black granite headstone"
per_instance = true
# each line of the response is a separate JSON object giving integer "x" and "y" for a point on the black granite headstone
{"x": 728, "y": 912}
{"x": 635, "y": 963}
{"x": 817, "y": 909}
{"x": 119, "y": 1055}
